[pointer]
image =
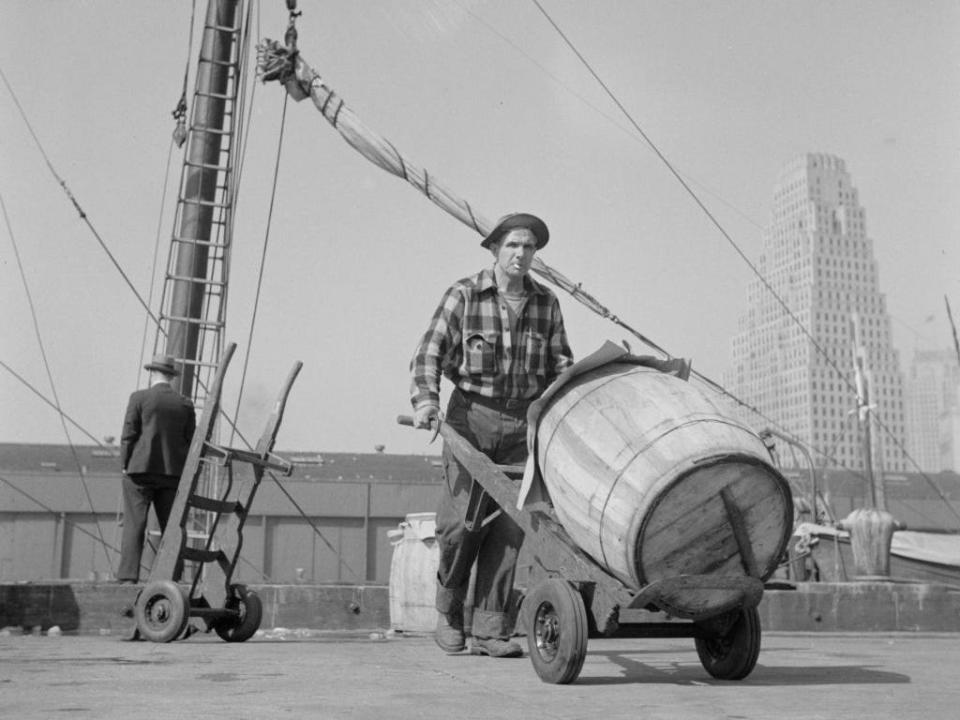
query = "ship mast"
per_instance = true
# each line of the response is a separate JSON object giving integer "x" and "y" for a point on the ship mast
{"x": 862, "y": 378}
{"x": 194, "y": 301}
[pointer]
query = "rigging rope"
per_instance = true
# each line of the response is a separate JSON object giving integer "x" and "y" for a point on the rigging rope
{"x": 692, "y": 194}
{"x": 825, "y": 454}
{"x": 235, "y": 430}
{"x": 783, "y": 304}
{"x": 953, "y": 328}
{"x": 242, "y": 110}
{"x": 76, "y": 204}
{"x": 279, "y": 63}
{"x": 50, "y": 510}
{"x": 263, "y": 254}
{"x": 286, "y": 65}
{"x": 180, "y": 111}
{"x": 156, "y": 251}
{"x": 226, "y": 417}
{"x": 53, "y": 385}
{"x": 145, "y": 305}
{"x": 48, "y": 402}
{"x": 246, "y": 116}
{"x": 177, "y": 138}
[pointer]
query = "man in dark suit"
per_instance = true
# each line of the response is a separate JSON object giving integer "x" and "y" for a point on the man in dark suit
{"x": 157, "y": 431}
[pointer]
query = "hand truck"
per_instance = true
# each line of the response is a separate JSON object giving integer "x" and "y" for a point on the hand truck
{"x": 163, "y": 608}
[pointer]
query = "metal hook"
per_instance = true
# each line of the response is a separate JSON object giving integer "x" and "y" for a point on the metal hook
{"x": 435, "y": 424}
{"x": 290, "y": 36}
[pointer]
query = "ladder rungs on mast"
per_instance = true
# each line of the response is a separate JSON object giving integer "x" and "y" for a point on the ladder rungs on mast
{"x": 211, "y": 131}
{"x": 207, "y": 166}
{"x": 206, "y": 203}
{"x": 210, "y": 364}
{"x": 229, "y": 98}
{"x": 195, "y": 241}
{"x": 222, "y": 28}
{"x": 220, "y": 63}
{"x": 199, "y": 280}
{"x": 195, "y": 321}
{"x": 196, "y": 278}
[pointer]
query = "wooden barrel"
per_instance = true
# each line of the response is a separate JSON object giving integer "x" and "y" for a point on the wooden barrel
{"x": 413, "y": 574}
{"x": 653, "y": 479}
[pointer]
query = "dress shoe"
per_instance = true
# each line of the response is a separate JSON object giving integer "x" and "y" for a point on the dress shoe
{"x": 494, "y": 647}
{"x": 449, "y": 635}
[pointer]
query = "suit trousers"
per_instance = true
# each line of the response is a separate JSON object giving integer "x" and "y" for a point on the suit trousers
{"x": 140, "y": 491}
{"x": 500, "y": 433}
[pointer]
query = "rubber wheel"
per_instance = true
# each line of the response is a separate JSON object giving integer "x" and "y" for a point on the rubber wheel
{"x": 556, "y": 621}
{"x": 732, "y": 656}
{"x": 161, "y": 611}
{"x": 248, "y": 604}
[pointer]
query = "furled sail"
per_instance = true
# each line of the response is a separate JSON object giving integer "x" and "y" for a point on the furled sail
{"x": 278, "y": 62}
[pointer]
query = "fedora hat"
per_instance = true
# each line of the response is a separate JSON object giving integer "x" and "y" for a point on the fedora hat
{"x": 516, "y": 221}
{"x": 162, "y": 363}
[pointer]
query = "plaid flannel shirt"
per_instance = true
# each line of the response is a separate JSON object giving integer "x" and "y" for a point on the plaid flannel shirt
{"x": 469, "y": 341}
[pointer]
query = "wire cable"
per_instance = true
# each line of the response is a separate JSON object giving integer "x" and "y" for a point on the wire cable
{"x": 73, "y": 199}
{"x": 263, "y": 254}
{"x": 50, "y": 510}
{"x": 786, "y": 308}
{"x": 48, "y": 402}
{"x": 710, "y": 216}
{"x": 46, "y": 364}
{"x": 156, "y": 252}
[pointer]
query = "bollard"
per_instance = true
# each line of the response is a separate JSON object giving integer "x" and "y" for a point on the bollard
{"x": 871, "y": 531}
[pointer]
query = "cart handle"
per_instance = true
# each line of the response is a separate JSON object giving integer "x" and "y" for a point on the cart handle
{"x": 408, "y": 421}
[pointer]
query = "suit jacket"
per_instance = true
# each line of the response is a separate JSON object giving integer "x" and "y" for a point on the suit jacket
{"x": 157, "y": 430}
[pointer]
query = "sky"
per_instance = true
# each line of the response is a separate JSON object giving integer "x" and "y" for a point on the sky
{"x": 490, "y": 99}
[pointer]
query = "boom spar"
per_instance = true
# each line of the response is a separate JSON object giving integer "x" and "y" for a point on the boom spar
{"x": 284, "y": 64}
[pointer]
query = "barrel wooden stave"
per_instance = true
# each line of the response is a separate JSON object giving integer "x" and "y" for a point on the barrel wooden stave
{"x": 622, "y": 452}
{"x": 690, "y": 531}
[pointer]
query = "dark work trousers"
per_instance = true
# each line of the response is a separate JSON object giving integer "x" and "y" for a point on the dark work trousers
{"x": 499, "y": 430}
{"x": 139, "y": 492}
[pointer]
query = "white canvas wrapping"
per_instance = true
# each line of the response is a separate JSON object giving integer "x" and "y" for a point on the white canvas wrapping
{"x": 303, "y": 81}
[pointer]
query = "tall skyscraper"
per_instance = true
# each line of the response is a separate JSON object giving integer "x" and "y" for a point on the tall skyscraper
{"x": 933, "y": 402}
{"x": 799, "y": 371}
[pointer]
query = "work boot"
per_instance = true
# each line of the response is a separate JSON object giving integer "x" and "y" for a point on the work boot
{"x": 449, "y": 635}
{"x": 495, "y": 647}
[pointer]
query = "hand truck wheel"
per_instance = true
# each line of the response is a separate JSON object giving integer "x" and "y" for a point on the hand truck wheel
{"x": 247, "y": 603}
{"x": 733, "y": 654}
{"x": 161, "y": 611}
{"x": 556, "y": 621}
